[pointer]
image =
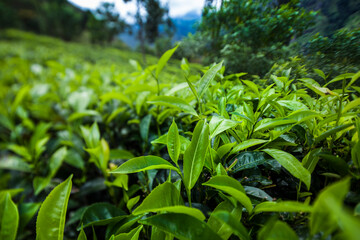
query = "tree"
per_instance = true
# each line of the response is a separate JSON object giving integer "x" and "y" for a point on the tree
{"x": 156, "y": 15}
{"x": 253, "y": 25}
{"x": 105, "y": 23}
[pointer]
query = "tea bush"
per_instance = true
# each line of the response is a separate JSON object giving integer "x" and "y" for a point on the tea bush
{"x": 92, "y": 150}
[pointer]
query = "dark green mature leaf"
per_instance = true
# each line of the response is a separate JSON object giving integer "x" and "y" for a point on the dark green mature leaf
{"x": 27, "y": 211}
{"x": 182, "y": 226}
{"x": 218, "y": 125}
{"x": 101, "y": 214}
{"x": 51, "y": 218}
{"x": 9, "y": 218}
{"x": 232, "y": 187}
{"x": 144, "y": 127}
{"x": 290, "y": 163}
{"x": 173, "y": 142}
{"x": 164, "y": 195}
{"x": 238, "y": 229}
{"x": 163, "y": 60}
{"x": 246, "y": 160}
{"x": 143, "y": 163}
{"x": 207, "y": 78}
{"x": 286, "y": 206}
{"x": 173, "y": 102}
{"x": 194, "y": 157}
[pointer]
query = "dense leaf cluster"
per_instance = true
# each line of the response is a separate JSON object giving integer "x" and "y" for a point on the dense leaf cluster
{"x": 99, "y": 150}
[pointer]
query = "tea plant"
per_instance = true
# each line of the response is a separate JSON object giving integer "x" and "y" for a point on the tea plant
{"x": 196, "y": 156}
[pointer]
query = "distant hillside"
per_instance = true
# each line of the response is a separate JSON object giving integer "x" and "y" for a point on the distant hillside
{"x": 184, "y": 25}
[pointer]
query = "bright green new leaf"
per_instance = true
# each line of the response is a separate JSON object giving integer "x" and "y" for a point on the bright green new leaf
{"x": 218, "y": 125}
{"x": 222, "y": 229}
{"x": 286, "y": 206}
{"x": 351, "y": 105}
{"x": 173, "y": 142}
{"x": 331, "y": 132}
{"x": 82, "y": 235}
{"x": 143, "y": 163}
{"x": 279, "y": 231}
{"x": 232, "y": 187}
{"x": 164, "y": 195}
{"x": 269, "y": 123}
{"x": 194, "y": 157}
{"x": 247, "y": 144}
{"x": 227, "y": 218}
{"x": 132, "y": 235}
{"x": 173, "y": 102}
{"x": 290, "y": 163}
{"x": 163, "y": 60}
{"x": 52, "y": 214}
{"x": 14, "y": 163}
{"x": 182, "y": 226}
{"x": 205, "y": 81}
{"x": 9, "y": 218}
{"x": 323, "y": 219}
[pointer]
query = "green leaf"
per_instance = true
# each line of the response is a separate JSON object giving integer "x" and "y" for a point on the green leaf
{"x": 173, "y": 102}
{"x": 280, "y": 231}
{"x": 182, "y": 226}
{"x": 115, "y": 96}
{"x": 132, "y": 235}
{"x": 184, "y": 142}
{"x": 192, "y": 87}
{"x": 322, "y": 219}
{"x": 52, "y": 214}
{"x": 143, "y": 163}
{"x": 290, "y": 163}
{"x": 194, "y": 157}
{"x": 101, "y": 214}
{"x": 218, "y": 125}
{"x": 320, "y": 73}
{"x": 225, "y": 149}
{"x": 205, "y": 81}
{"x": 163, "y": 60}
{"x": 222, "y": 229}
{"x": 85, "y": 113}
{"x": 247, "y": 160}
{"x": 247, "y": 144}
{"x": 120, "y": 154}
{"x": 144, "y": 127}
{"x": 14, "y": 163}
{"x": 311, "y": 159}
{"x": 331, "y": 132}
{"x": 173, "y": 142}
{"x": 27, "y": 211}
{"x": 351, "y": 105}
{"x": 232, "y": 187}
{"x": 285, "y": 206}
{"x": 82, "y": 235}
{"x": 238, "y": 229}
{"x": 132, "y": 201}
{"x": 9, "y": 218}
{"x": 269, "y": 123}
{"x": 56, "y": 160}
{"x": 292, "y": 105}
{"x": 164, "y": 195}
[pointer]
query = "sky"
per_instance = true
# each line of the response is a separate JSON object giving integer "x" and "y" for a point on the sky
{"x": 177, "y": 7}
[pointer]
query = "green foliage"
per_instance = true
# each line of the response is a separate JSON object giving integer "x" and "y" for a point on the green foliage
{"x": 158, "y": 153}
